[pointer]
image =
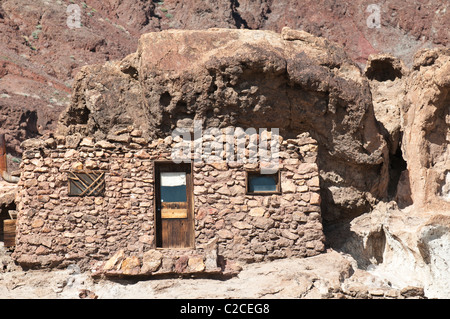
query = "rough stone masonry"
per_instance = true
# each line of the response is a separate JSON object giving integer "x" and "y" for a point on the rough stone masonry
{"x": 114, "y": 234}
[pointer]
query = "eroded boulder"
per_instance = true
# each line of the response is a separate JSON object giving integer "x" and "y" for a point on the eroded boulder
{"x": 426, "y": 129}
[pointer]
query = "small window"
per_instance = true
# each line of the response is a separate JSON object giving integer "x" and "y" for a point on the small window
{"x": 86, "y": 183}
{"x": 258, "y": 183}
{"x": 173, "y": 187}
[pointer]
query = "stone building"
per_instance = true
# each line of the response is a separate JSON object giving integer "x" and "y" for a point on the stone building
{"x": 105, "y": 192}
{"x": 122, "y": 206}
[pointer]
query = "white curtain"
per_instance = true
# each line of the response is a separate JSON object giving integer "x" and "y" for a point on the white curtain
{"x": 173, "y": 178}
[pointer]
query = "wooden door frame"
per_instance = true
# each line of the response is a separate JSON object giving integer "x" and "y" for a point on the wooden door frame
{"x": 189, "y": 197}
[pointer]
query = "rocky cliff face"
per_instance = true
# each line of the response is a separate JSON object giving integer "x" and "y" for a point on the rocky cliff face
{"x": 405, "y": 241}
{"x": 40, "y": 54}
{"x": 426, "y": 123}
{"x": 412, "y": 106}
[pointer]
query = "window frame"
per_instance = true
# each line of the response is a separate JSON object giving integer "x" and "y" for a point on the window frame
{"x": 258, "y": 172}
{"x": 100, "y": 181}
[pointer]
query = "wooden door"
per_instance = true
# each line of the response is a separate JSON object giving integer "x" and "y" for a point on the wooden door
{"x": 174, "y": 205}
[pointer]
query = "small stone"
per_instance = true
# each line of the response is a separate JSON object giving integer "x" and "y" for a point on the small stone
{"x": 257, "y": 212}
{"x": 288, "y": 187}
{"x": 41, "y": 250}
{"x": 225, "y": 234}
{"x": 99, "y": 153}
{"x": 87, "y": 294}
{"x": 299, "y": 216}
{"x": 242, "y": 225}
{"x": 412, "y": 291}
{"x": 224, "y": 190}
{"x": 123, "y": 130}
{"x": 87, "y": 141}
{"x": 124, "y": 138}
{"x": 136, "y": 133}
{"x": 146, "y": 239}
{"x": 71, "y": 154}
{"x": 90, "y": 219}
{"x": 90, "y": 164}
{"x": 116, "y": 179}
{"x": 145, "y": 204}
{"x": 37, "y": 223}
{"x": 220, "y": 166}
{"x": 253, "y": 203}
{"x": 131, "y": 266}
{"x": 306, "y": 168}
{"x": 104, "y": 144}
{"x": 237, "y": 190}
{"x": 43, "y": 198}
{"x": 128, "y": 185}
{"x": 134, "y": 146}
{"x": 196, "y": 264}
{"x": 314, "y": 182}
{"x": 89, "y": 239}
{"x": 78, "y": 214}
{"x": 263, "y": 223}
{"x": 305, "y": 197}
{"x": 314, "y": 199}
{"x": 201, "y": 213}
{"x": 377, "y": 293}
{"x": 199, "y": 190}
{"x": 32, "y": 143}
{"x": 89, "y": 232}
{"x": 392, "y": 293}
{"x": 211, "y": 254}
{"x": 287, "y": 234}
{"x": 77, "y": 166}
{"x": 115, "y": 261}
{"x": 60, "y": 139}
{"x": 168, "y": 140}
{"x": 181, "y": 264}
{"x": 151, "y": 261}
{"x": 72, "y": 141}
{"x": 232, "y": 267}
{"x": 30, "y": 183}
{"x": 259, "y": 248}
{"x": 139, "y": 140}
{"x": 142, "y": 154}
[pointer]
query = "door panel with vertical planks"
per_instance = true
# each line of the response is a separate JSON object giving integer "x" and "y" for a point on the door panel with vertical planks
{"x": 174, "y": 211}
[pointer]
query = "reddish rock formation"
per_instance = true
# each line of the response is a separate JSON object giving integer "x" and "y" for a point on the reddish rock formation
{"x": 40, "y": 54}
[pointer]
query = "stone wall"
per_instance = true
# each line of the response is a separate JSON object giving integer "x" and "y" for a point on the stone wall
{"x": 115, "y": 234}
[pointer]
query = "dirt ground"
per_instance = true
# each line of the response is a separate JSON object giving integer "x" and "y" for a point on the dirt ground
{"x": 329, "y": 275}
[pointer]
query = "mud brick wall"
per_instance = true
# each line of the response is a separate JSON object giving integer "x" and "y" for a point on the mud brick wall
{"x": 116, "y": 232}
